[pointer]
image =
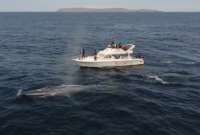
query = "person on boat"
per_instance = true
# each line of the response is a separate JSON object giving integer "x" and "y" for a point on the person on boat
{"x": 95, "y": 54}
{"x": 83, "y": 53}
{"x": 112, "y": 44}
{"x": 120, "y": 45}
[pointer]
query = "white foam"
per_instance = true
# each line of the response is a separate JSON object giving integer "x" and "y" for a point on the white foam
{"x": 157, "y": 78}
{"x": 19, "y": 93}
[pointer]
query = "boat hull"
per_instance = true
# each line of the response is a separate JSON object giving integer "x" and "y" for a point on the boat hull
{"x": 108, "y": 63}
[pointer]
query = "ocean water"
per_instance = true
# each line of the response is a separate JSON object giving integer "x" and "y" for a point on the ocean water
{"x": 43, "y": 92}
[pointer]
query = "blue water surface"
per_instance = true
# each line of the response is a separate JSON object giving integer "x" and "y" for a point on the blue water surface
{"x": 160, "y": 98}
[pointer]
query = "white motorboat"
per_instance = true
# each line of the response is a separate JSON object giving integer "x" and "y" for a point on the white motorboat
{"x": 115, "y": 55}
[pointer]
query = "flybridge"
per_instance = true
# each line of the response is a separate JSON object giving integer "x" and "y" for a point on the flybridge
{"x": 117, "y": 49}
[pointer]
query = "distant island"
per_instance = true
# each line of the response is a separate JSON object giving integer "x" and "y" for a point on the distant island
{"x": 104, "y": 10}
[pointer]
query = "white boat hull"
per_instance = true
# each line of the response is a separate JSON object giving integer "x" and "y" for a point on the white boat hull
{"x": 109, "y": 63}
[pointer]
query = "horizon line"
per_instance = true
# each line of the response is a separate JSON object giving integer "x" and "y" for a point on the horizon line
{"x": 103, "y": 8}
{"x": 158, "y": 11}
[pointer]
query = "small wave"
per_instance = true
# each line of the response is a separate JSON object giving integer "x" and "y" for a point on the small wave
{"x": 157, "y": 78}
{"x": 189, "y": 63}
{"x": 177, "y": 72}
{"x": 167, "y": 62}
{"x": 15, "y": 77}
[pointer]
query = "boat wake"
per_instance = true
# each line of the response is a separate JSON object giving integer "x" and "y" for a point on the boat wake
{"x": 62, "y": 90}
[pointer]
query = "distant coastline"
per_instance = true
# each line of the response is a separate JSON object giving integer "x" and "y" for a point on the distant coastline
{"x": 104, "y": 10}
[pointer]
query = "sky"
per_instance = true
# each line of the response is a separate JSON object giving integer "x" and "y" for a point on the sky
{"x": 53, "y": 5}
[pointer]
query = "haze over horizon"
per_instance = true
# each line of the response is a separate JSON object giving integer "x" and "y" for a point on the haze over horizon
{"x": 50, "y": 5}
